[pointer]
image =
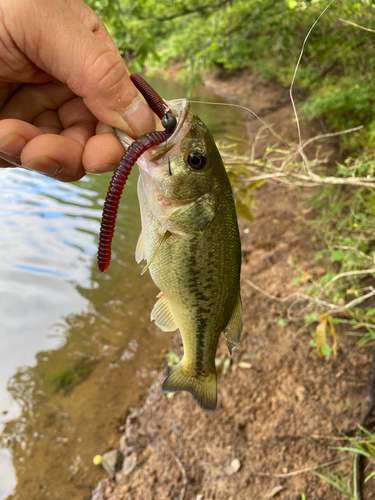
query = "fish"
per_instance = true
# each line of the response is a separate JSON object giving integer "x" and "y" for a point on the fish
{"x": 191, "y": 244}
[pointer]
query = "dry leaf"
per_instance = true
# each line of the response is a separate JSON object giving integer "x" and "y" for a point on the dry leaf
{"x": 325, "y": 326}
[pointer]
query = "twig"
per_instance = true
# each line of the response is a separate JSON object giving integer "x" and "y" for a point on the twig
{"x": 186, "y": 479}
{"x": 358, "y": 325}
{"x": 301, "y": 471}
{"x": 299, "y": 295}
{"x": 212, "y": 494}
{"x": 355, "y": 250}
{"x": 315, "y": 138}
{"x": 356, "y": 25}
{"x": 327, "y": 306}
{"x": 273, "y": 297}
{"x": 350, "y": 432}
{"x": 348, "y": 273}
{"x": 257, "y": 137}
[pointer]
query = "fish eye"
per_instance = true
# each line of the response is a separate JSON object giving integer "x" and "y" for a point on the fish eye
{"x": 196, "y": 160}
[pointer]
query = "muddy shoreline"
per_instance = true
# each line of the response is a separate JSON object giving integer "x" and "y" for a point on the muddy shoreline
{"x": 281, "y": 408}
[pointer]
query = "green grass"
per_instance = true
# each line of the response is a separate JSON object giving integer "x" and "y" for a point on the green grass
{"x": 347, "y": 484}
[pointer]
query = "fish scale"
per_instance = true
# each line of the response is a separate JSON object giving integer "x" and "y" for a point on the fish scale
{"x": 191, "y": 243}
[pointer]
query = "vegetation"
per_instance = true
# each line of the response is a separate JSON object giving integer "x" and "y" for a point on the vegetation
{"x": 334, "y": 84}
{"x": 265, "y": 36}
{"x": 65, "y": 378}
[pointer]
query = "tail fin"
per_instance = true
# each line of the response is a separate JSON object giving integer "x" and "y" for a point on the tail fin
{"x": 203, "y": 389}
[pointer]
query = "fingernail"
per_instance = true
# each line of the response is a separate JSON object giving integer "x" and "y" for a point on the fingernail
{"x": 100, "y": 169}
{"x": 139, "y": 117}
{"x": 12, "y": 144}
{"x": 44, "y": 165}
{"x": 7, "y": 161}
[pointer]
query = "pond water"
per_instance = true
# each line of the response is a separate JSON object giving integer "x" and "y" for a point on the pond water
{"x": 77, "y": 346}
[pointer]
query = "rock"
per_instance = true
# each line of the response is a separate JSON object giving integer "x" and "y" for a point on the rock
{"x": 112, "y": 460}
{"x": 233, "y": 467}
{"x": 129, "y": 464}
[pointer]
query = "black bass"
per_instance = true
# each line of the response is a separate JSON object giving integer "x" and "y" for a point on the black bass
{"x": 191, "y": 243}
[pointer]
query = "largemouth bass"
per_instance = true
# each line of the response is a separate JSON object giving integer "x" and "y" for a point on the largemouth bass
{"x": 191, "y": 243}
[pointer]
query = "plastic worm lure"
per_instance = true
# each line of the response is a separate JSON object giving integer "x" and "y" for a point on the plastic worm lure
{"x": 122, "y": 172}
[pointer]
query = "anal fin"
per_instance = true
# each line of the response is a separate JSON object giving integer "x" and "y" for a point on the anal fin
{"x": 162, "y": 315}
{"x": 232, "y": 331}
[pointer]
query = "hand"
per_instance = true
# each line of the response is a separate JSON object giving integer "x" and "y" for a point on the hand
{"x": 63, "y": 85}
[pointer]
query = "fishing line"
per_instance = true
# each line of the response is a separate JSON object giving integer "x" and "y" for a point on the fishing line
{"x": 300, "y": 149}
{"x": 278, "y": 137}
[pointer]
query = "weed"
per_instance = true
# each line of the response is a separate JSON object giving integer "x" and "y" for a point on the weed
{"x": 348, "y": 486}
{"x": 66, "y": 377}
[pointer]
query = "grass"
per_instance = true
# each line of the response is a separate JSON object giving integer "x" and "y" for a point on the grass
{"x": 348, "y": 485}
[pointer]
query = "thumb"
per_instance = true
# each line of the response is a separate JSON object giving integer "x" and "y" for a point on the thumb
{"x": 56, "y": 40}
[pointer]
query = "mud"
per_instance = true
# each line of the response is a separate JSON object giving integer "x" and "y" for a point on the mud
{"x": 281, "y": 408}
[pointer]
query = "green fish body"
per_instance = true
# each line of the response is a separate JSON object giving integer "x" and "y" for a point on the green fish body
{"x": 191, "y": 243}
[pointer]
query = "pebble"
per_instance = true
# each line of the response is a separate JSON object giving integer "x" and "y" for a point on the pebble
{"x": 111, "y": 461}
{"x": 129, "y": 464}
{"x": 233, "y": 467}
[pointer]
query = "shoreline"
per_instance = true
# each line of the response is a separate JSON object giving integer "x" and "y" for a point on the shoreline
{"x": 275, "y": 393}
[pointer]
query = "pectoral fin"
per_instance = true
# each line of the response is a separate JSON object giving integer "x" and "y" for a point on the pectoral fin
{"x": 140, "y": 251}
{"x": 232, "y": 332}
{"x": 162, "y": 315}
{"x": 167, "y": 234}
{"x": 192, "y": 219}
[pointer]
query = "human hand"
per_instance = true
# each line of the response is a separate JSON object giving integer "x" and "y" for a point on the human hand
{"x": 63, "y": 86}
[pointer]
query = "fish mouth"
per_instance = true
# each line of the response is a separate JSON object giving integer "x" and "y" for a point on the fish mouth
{"x": 180, "y": 109}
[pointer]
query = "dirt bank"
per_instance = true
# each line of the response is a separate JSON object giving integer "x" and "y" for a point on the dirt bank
{"x": 280, "y": 407}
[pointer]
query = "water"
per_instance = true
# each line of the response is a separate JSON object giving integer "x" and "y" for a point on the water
{"x": 77, "y": 347}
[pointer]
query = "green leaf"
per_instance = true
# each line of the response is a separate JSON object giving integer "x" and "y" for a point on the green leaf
{"x": 337, "y": 255}
{"x": 172, "y": 359}
{"x": 320, "y": 254}
{"x": 256, "y": 184}
{"x": 312, "y": 343}
{"x": 296, "y": 280}
{"x": 325, "y": 350}
{"x": 243, "y": 210}
{"x": 310, "y": 318}
{"x": 370, "y": 476}
{"x": 282, "y": 322}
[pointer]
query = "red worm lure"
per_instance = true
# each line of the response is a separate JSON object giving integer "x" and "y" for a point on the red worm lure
{"x": 122, "y": 172}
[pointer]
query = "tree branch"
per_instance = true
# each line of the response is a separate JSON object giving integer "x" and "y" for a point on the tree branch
{"x": 186, "y": 12}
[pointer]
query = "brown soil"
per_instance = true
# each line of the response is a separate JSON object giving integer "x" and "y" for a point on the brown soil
{"x": 284, "y": 408}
